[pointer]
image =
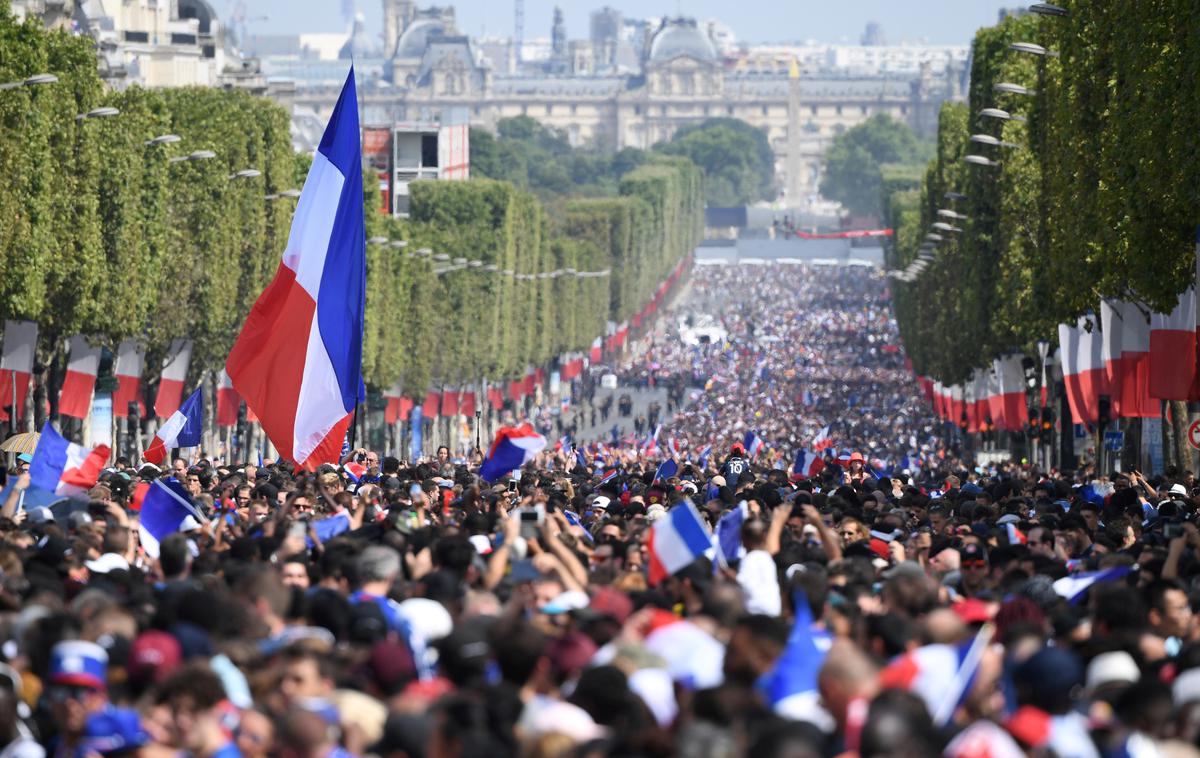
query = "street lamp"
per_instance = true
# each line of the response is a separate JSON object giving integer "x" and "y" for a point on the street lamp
{"x": 508, "y": 272}
{"x": 1032, "y": 49}
{"x": 377, "y": 241}
{"x": 491, "y": 267}
{"x": 198, "y": 155}
{"x": 31, "y": 81}
{"x": 942, "y": 226}
{"x": 246, "y": 173}
{"x": 987, "y": 139}
{"x": 1047, "y": 9}
{"x": 399, "y": 244}
{"x": 1013, "y": 89}
{"x": 423, "y": 251}
{"x": 1000, "y": 114}
{"x": 947, "y": 213}
{"x": 954, "y": 196}
{"x": 441, "y": 257}
{"x": 934, "y": 237}
{"x": 163, "y": 139}
{"x": 979, "y": 160}
{"x": 475, "y": 264}
{"x": 105, "y": 112}
{"x": 460, "y": 261}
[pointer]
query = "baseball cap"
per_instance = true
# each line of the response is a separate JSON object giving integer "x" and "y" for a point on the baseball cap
{"x": 41, "y": 515}
{"x": 112, "y": 730}
{"x": 600, "y": 502}
{"x": 571, "y": 600}
{"x": 153, "y": 656}
{"x": 25, "y": 458}
{"x": 1178, "y": 489}
{"x": 79, "y": 663}
{"x": 972, "y": 610}
{"x": 1117, "y": 667}
{"x": 607, "y": 601}
{"x": 972, "y": 552}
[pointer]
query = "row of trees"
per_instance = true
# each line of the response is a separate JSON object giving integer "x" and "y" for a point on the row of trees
{"x": 1093, "y": 194}
{"x": 102, "y": 233}
{"x": 474, "y": 323}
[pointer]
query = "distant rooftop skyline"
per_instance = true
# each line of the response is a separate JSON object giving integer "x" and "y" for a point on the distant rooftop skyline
{"x": 940, "y": 22}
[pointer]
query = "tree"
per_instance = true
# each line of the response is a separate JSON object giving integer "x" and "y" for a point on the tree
{"x": 852, "y": 166}
{"x": 737, "y": 160}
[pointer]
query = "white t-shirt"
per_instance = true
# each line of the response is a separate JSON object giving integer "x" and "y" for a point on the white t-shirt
{"x": 760, "y": 582}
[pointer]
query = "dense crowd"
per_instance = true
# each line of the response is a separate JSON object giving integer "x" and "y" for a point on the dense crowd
{"x": 408, "y": 608}
{"x": 805, "y": 348}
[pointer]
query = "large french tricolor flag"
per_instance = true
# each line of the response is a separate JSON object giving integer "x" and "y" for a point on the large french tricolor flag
{"x": 166, "y": 509}
{"x": 63, "y": 467}
{"x": 228, "y": 401}
{"x": 16, "y": 364}
{"x": 512, "y": 449}
{"x": 128, "y": 370}
{"x": 83, "y": 361}
{"x": 298, "y": 361}
{"x": 183, "y": 429}
{"x": 1126, "y": 352}
{"x": 676, "y": 540}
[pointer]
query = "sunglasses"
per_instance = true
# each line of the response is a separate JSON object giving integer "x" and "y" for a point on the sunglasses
{"x": 974, "y": 564}
{"x": 62, "y": 693}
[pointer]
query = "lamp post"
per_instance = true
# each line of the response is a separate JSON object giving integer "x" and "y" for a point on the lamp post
{"x": 32, "y": 81}
{"x": 105, "y": 112}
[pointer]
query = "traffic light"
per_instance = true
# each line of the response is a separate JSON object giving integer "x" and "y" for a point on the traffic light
{"x": 1047, "y": 430}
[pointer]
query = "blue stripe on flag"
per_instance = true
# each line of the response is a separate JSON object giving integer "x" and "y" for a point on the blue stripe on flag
{"x": 690, "y": 527}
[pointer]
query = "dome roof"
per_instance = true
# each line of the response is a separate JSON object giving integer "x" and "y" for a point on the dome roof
{"x": 416, "y": 37}
{"x": 681, "y": 36}
{"x": 360, "y": 44}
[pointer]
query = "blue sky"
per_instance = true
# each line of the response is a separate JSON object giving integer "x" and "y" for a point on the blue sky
{"x": 932, "y": 21}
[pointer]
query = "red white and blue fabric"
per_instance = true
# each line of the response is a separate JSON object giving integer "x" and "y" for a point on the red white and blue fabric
{"x": 676, "y": 540}
{"x": 1173, "y": 349}
{"x": 1015, "y": 535}
{"x": 695, "y": 659}
{"x": 16, "y": 364}
{"x": 79, "y": 663}
{"x": 228, "y": 401}
{"x": 183, "y": 429}
{"x": 174, "y": 374}
{"x": 298, "y": 361}
{"x": 1064, "y": 735}
{"x": 1075, "y": 586}
{"x": 512, "y": 449}
{"x": 1011, "y": 377}
{"x": 822, "y": 441}
{"x": 166, "y": 508}
{"x": 753, "y": 443}
{"x": 83, "y": 362}
{"x": 807, "y": 465}
{"x": 1126, "y": 353}
{"x": 941, "y": 675}
{"x": 63, "y": 467}
{"x": 128, "y": 369}
{"x": 790, "y": 688}
{"x": 1083, "y": 369}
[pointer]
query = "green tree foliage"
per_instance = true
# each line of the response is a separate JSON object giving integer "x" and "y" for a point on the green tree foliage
{"x": 736, "y": 158}
{"x": 101, "y": 233}
{"x": 1098, "y": 197}
{"x": 541, "y": 160}
{"x": 854, "y": 165}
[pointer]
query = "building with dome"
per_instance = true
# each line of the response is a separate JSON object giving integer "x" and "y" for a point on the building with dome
{"x": 680, "y": 77}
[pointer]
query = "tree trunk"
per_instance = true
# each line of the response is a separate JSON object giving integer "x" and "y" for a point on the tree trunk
{"x": 1179, "y": 425}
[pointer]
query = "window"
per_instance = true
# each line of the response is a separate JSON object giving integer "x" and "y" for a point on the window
{"x": 864, "y": 110}
{"x": 814, "y": 110}
{"x": 839, "y": 110}
{"x": 764, "y": 110}
{"x": 729, "y": 110}
{"x": 429, "y": 150}
{"x": 137, "y": 36}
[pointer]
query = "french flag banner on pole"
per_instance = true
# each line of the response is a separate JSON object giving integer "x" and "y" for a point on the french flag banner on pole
{"x": 1173, "y": 349}
{"x": 183, "y": 429}
{"x": 83, "y": 361}
{"x": 512, "y": 449}
{"x": 63, "y": 467}
{"x": 16, "y": 364}
{"x": 1083, "y": 369}
{"x": 753, "y": 443}
{"x": 166, "y": 509}
{"x": 174, "y": 374}
{"x": 128, "y": 369}
{"x": 228, "y": 401}
{"x": 676, "y": 540}
{"x": 298, "y": 361}
{"x": 808, "y": 464}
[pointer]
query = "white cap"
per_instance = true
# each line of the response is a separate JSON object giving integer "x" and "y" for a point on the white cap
{"x": 657, "y": 691}
{"x": 565, "y": 719}
{"x": 601, "y": 502}
{"x": 571, "y": 600}
{"x": 1178, "y": 489}
{"x": 1117, "y": 667}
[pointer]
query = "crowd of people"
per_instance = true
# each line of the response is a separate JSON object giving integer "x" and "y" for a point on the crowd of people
{"x": 394, "y": 608}
{"x": 806, "y": 348}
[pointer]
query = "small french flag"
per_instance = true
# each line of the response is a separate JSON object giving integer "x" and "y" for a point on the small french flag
{"x": 808, "y": 464}
{"x": 753, "y": 443}
{"x": 512, "y": 449}
{"x": 183, "y": 429}
{"x": 822, "y": 441}
{"x": 1015, "y": 535}
{"x": 63, "y": 467}
{"x": 676, "y": 540}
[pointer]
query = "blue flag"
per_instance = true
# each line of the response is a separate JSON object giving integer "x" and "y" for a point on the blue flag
{"x": 666, "y": 470}
{"x": 573, "y": 519}
{"x": 729, "y": 532}
{"x": 165, "y": 508}
{"x": 791, "y": 687}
